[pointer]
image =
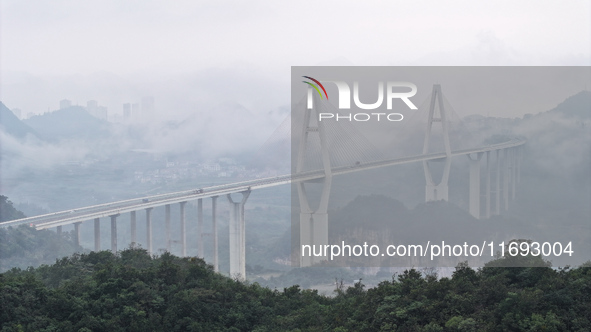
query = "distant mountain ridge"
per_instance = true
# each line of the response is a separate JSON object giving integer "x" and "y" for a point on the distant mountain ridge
{"x": 70, "y": 123}
{"x": 10, "y": 124}
{"x": 578, "y": 105}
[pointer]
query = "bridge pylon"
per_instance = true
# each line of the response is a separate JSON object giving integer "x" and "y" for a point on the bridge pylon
{"x": 439, "y": 191}
{"x": 313, "y": 222}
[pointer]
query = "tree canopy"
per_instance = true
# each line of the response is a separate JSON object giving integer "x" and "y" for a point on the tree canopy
{"x": 133, "y": 291}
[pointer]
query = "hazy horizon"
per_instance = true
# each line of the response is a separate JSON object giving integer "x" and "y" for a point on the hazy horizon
{"x": 193, "y": 56}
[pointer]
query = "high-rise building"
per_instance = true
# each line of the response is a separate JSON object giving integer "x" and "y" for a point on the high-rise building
{"x": 65, "y": 103}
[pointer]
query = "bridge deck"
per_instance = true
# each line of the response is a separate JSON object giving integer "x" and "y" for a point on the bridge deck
{"x": 114, "y": 208}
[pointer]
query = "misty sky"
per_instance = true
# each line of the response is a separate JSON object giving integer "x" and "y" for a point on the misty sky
{"x": 69, "y": 44}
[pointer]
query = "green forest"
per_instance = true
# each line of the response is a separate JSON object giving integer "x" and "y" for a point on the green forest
{"x": 133, "y": 291}
{"x": 24, "y": 246}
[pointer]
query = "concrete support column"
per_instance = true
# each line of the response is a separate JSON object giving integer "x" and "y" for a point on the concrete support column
{"x": 183, "y": 229}
{"x": 487, "y": 211}
{"x": 235, "y": 240}
{"x": 506, "y": 175}
{"x": 513, "y": 172}
{"x": 313, "y": 234}
{"x": 200, "y": 252}
{"x": 474, "y": 192}
{"x": 149, "y": 230}
{"x": 214, "y": 221}
{"x": 77, "y": 233}
{"x": 132, "y": 225}
{"x": 498, "y": 181}
{"x": 59, "y": 230}
{"x": 114, "y": 233}
{"x": 237, "y": 237}
{"x": 97, "y": 234}
{"x": 313, "y": 224}
{"x": 167, "y": 225}
{"x": 519, "y": 157}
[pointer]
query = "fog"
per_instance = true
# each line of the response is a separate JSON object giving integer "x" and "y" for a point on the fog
{"x": 188, "y": 54}
{"x": 131, "y": 36}
{"x": 219, "y": 75}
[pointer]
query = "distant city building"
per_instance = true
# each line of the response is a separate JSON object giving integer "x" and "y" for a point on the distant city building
{"x": 30, "y": 115}
{"x": 93, "y": 108}
{"x": 127, "y": 110}
{"x": 137, "y": 111}
{"x": 65, "y": 103}
{"x": 17, "y": 112}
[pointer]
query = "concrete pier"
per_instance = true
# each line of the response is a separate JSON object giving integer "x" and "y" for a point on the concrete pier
{"x": 314, "y": 232}
{"x": 498, "y": 186}
{"x": 237, "y": 237}
{"x": 506, "y": 175}
{"x": 97, "y": 234}
{"x": 183, "y": 230}
{"x": 114, "y": 233}
{"x": 149, "y": 230}
{"x": 519, "y": 158}
{"x": 167, "y": 225}
{"x": 77, "y": 233}
{"x": 513, "y": 172}
{"x": 200, "y": 252}
{"x": 488, "y": 189}
{"x": 474, "y": 192}
{"x": 215, "y": 233}
{"x": 133, "y": 229}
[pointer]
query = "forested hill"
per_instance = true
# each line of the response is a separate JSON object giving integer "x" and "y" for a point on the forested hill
{"x": 136, "y": 292}
{"x": 72, "y": 123}
{"x": 25, "y": 246}
{"x": 7, "y": 210}
{"x": 11, "y": 125}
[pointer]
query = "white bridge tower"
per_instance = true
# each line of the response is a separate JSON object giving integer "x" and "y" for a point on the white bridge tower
{"x": 439, "y": 191}
{"x": 313, "y": 222}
